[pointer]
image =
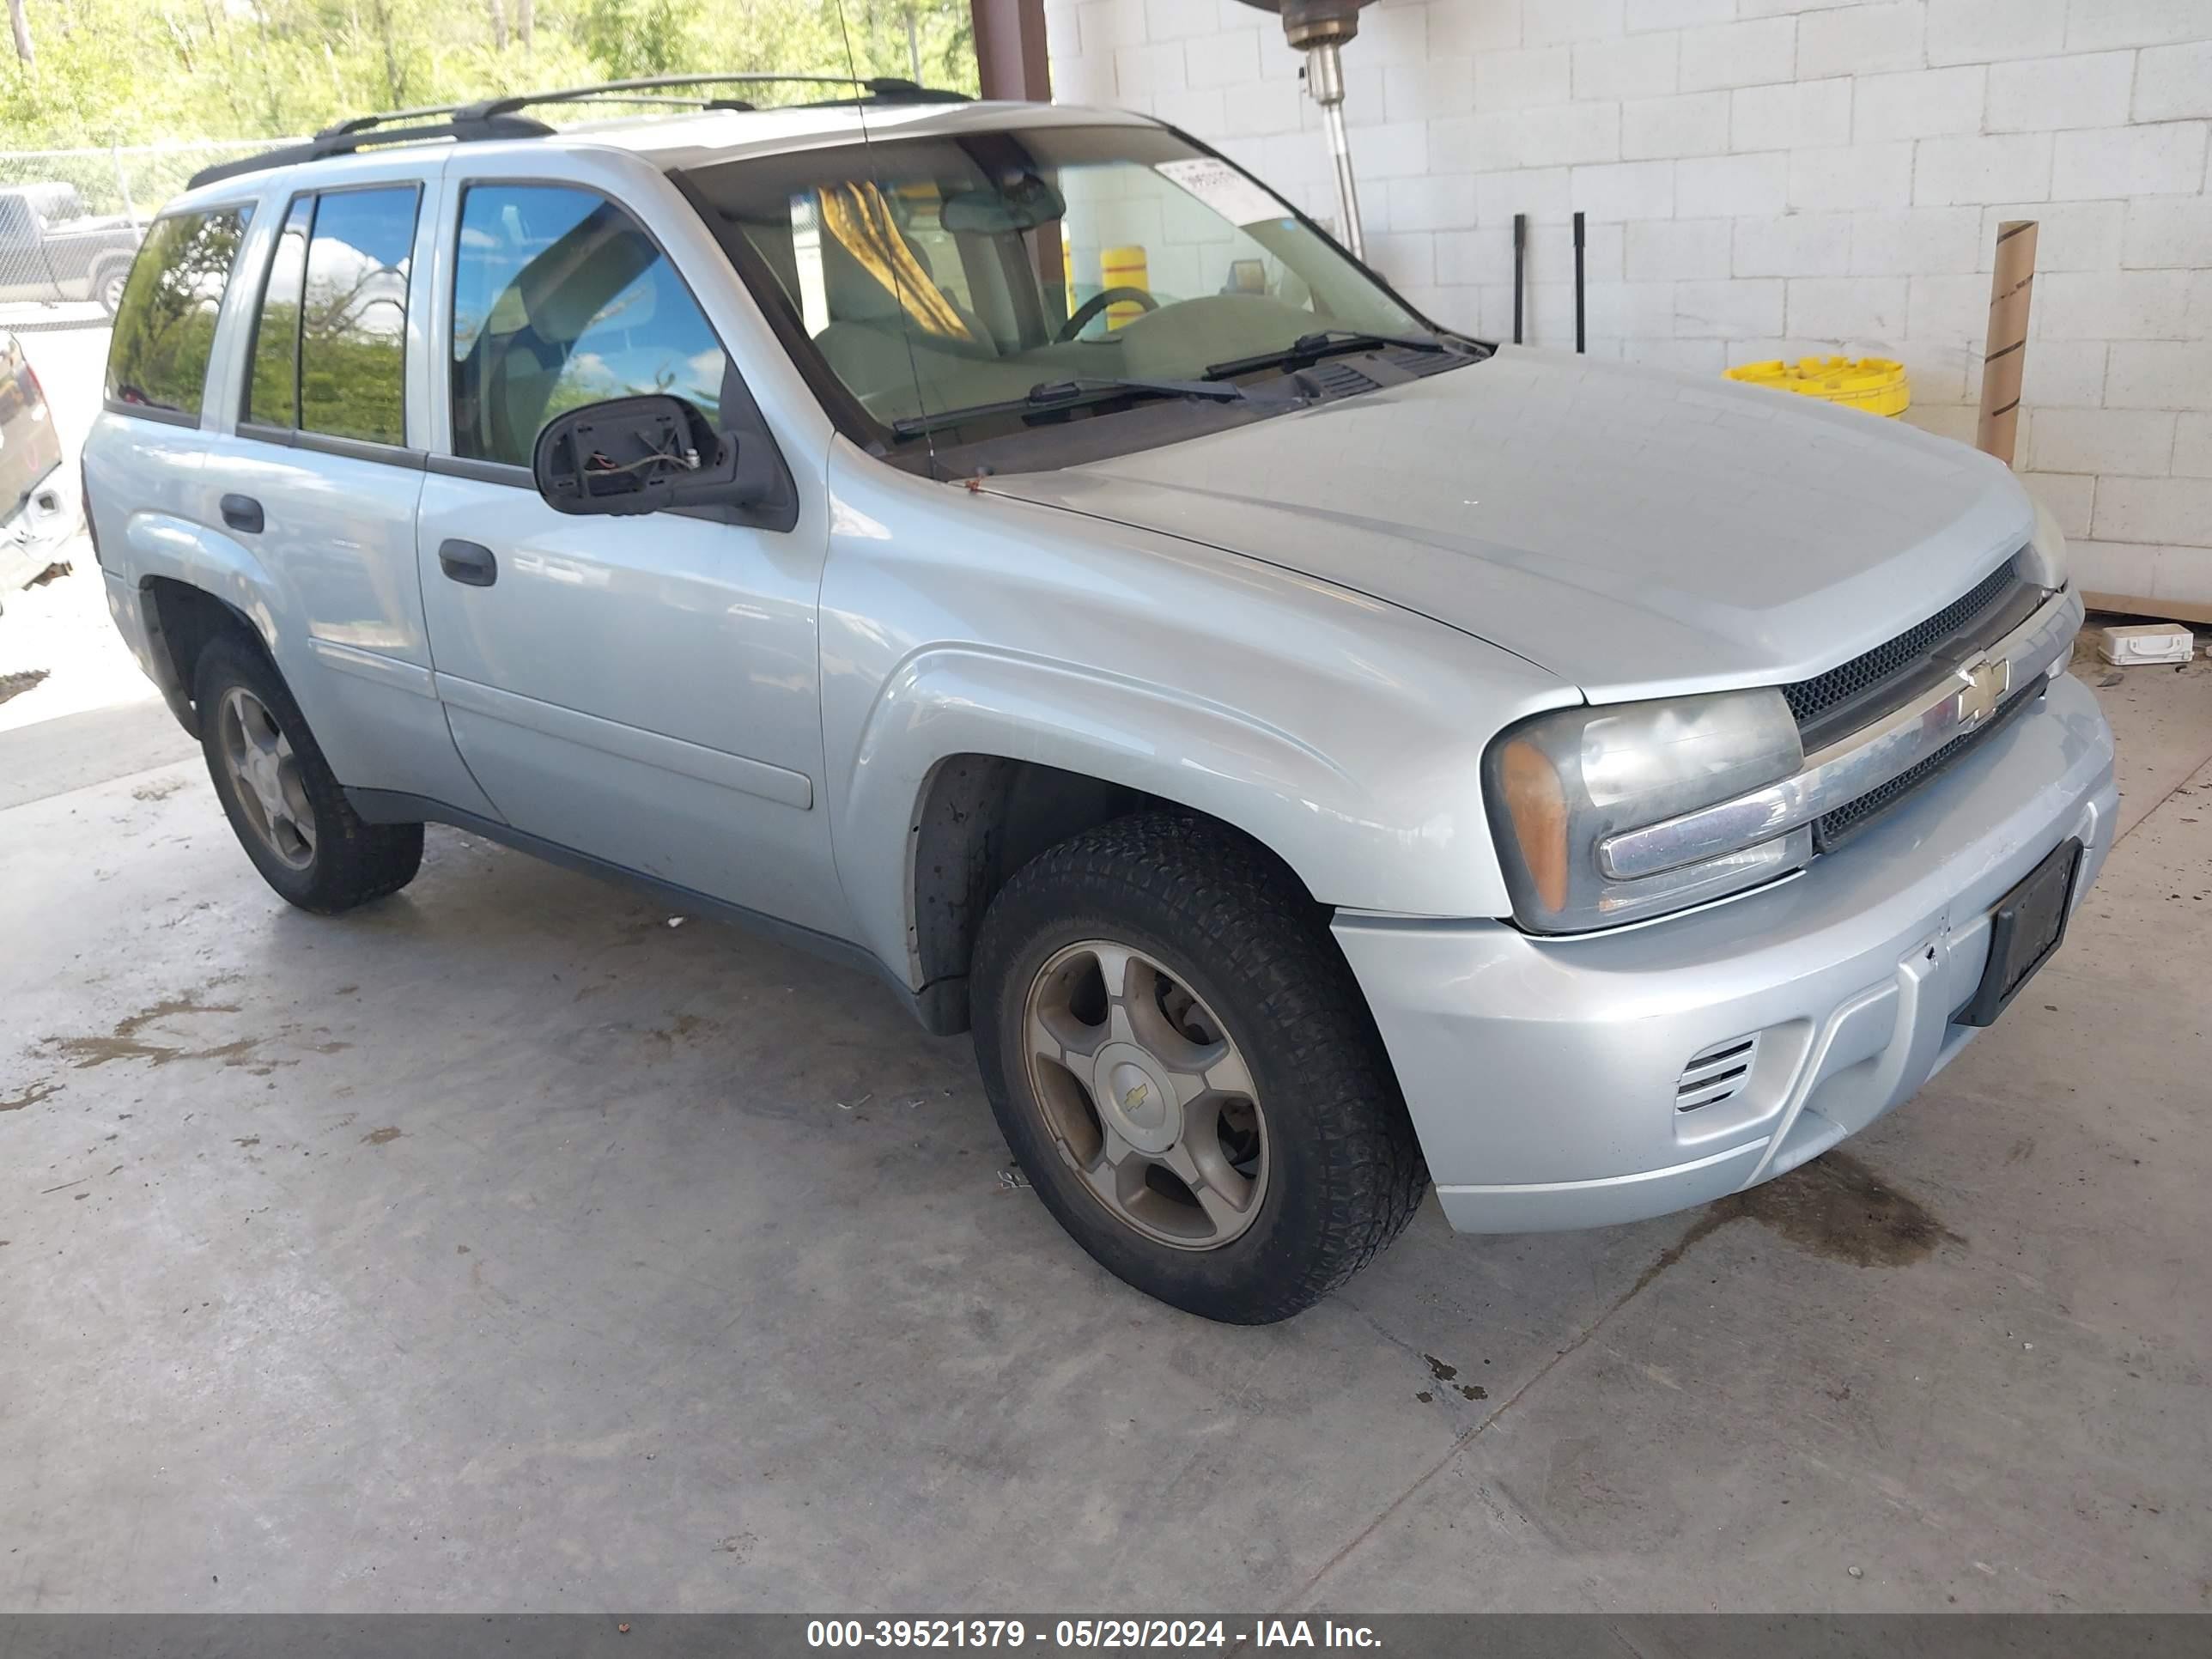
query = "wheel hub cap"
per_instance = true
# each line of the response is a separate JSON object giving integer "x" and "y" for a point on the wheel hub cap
{"x": 1137, "y": 1100}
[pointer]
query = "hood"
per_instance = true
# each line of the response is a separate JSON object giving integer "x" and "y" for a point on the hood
{"x": 1638, "y": 531}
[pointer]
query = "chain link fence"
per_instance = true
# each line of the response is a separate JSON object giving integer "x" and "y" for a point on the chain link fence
{"x": 70, "y": 219}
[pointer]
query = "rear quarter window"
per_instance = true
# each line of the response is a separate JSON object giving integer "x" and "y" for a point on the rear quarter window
{"x": 164, "y": 335}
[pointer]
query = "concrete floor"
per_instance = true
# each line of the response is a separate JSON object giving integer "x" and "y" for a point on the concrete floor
{"x": 504, "y": 1248}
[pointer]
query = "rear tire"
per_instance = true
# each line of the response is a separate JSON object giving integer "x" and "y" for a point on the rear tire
{"x": 287, "y": 810}
{"x": 1223, "y": 1130}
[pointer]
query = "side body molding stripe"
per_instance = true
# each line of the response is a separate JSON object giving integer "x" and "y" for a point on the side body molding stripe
{"x": 372, "y": 665}
{"x": 691, "y": 760}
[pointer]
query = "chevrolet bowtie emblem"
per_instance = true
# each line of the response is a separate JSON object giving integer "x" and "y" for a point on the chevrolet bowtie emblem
{"x": 1135, "y": 1097}
{"x": 1987, "y": 682}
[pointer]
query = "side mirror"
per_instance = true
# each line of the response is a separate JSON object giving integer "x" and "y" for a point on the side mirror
{"x": 631, "y": 455}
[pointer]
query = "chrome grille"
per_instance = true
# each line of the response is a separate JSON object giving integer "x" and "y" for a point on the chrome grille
{"x": 1837, "y": 827}
{"x": 1811, "y": 700}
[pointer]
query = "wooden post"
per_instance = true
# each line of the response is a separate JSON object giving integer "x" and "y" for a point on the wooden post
{"x": 2006, "y": 354}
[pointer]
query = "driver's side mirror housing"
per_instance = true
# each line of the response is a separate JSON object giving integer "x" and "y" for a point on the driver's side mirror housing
{"x": 633, "y": 455}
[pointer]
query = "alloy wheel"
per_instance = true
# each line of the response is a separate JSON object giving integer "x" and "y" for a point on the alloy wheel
{"x": 1146, "y": 1096}
{"x": 264, "y": 775}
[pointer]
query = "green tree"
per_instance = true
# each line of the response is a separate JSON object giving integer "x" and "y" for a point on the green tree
{"x": 142, "y": 72}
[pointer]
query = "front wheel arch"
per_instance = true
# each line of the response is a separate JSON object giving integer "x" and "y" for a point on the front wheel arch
{"x": 1372, "y": 813}
{"x": 980, "y": 820}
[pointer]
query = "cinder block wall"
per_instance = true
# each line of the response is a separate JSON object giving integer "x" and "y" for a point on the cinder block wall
{"x": 1774, "y": 178}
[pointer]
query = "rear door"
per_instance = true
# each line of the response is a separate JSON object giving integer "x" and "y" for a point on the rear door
{"x": 317, "y": 468}
{"x": 644, "y": 690}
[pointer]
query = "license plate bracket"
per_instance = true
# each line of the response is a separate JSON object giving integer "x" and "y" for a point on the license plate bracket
{"x": 2025, "y": 930}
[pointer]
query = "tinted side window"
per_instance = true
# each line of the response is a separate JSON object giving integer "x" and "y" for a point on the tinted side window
{"x": 273, "y": 386}
{"x": 165, "y": 327}
{"x": 560, "y": 299}
{"x": 353, "y": 321}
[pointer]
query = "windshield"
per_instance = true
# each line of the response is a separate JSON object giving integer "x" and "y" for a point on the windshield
{"x": 936, "y": 274}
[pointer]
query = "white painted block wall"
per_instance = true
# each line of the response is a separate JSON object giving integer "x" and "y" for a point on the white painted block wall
{"x": 1776, "y": 177}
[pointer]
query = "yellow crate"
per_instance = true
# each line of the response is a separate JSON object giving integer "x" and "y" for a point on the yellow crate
{"x": 1124, "y": 267}
{"x": 1877, "y": 385}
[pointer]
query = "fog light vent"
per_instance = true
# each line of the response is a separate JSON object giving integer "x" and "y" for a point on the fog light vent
{"x": 1716, "y": 1074}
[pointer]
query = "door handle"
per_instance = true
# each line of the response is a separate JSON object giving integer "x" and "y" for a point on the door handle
{"x": 242, "y": 513}
{"x": 468, "y": 561}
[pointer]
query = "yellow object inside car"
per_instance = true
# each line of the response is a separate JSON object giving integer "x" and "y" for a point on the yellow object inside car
{"x": 857, "y": 215}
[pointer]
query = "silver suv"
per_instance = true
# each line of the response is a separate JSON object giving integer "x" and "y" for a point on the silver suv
{"x": 1012, "y": 550}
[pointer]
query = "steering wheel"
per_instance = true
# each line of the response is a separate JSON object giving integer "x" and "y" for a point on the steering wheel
{"x": 1087, "y": 312}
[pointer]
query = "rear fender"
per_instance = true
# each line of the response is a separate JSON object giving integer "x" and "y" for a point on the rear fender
{"x": 162, "y": 545}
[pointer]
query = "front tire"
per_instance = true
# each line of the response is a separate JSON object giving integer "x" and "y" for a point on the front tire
{"x": 287, "y": 810}
{"x": 1185, "y": 1069}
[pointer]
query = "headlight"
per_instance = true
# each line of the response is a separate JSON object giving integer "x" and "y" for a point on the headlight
{"x": 1560, "y": 784}
{"x": 2045, "y": 563}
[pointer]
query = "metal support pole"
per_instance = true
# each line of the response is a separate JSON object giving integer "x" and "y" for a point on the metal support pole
{"x": 1010, "y": 49}
{"x": 1325, "y": 81}
{"x": 1011, "y": 63}
{"x": 1581, "y": 343}
{"x": 123, "y": 184}
{"x": 1520, "y": 267}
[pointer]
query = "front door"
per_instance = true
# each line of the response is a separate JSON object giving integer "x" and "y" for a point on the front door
{"x": 644, "y": 691}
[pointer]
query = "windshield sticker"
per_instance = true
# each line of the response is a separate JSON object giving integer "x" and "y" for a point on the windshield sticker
{"x": 1222, "y": 188}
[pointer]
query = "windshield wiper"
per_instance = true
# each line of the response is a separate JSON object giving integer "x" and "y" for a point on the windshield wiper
{"x": 1066, "y": 394}
{"x": 1327, "y": 343}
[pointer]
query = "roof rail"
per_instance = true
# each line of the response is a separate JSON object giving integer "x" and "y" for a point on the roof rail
{"x": 501, "y": 118}
{"x": 349, "y": 136}
{"x": 883, "y": 88}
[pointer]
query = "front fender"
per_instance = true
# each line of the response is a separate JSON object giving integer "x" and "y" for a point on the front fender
{"x": 1344, "y": 734}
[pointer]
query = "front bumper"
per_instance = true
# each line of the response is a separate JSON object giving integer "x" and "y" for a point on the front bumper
{"x": 1545, "y": 1075}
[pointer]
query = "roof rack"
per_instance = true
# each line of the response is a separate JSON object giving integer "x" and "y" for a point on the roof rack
{"x": 489, "y": 118}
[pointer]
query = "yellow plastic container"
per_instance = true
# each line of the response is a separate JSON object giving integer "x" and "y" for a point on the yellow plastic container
{"x": 1124, "y": 267}
{"x": 1877, "y": 385}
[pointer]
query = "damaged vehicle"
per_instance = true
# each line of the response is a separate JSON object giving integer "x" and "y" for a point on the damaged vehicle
{"x": 1013, "y": 551}
{"x": 38, "y": 495}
